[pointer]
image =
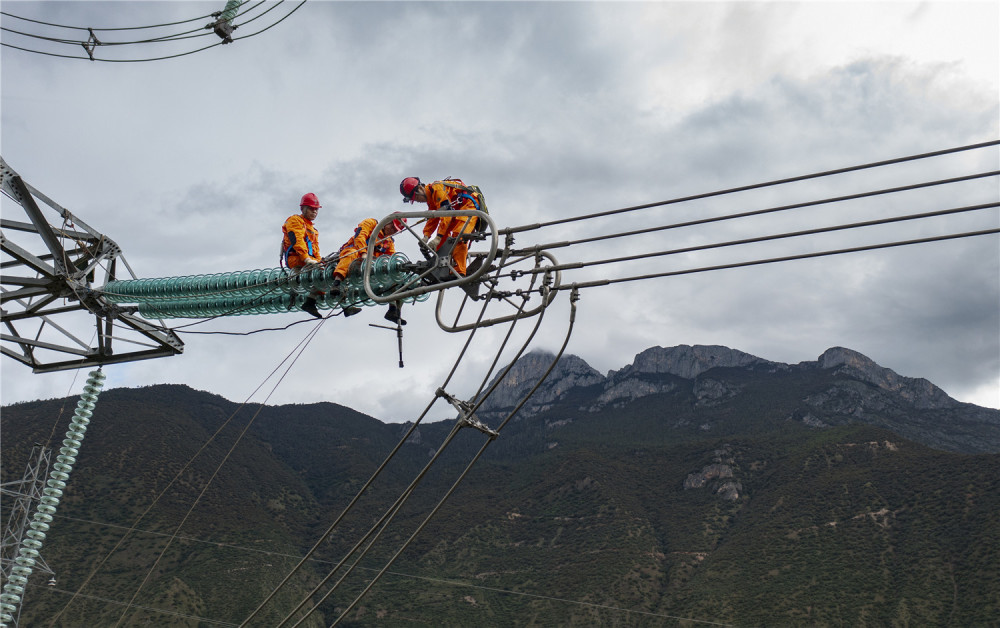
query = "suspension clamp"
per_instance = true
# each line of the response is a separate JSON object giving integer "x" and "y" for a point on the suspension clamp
{"x": 91, "y": 42}
{"x": 465, "y": 416}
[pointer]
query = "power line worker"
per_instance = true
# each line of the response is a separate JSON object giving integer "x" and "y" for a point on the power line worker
{"x": 300, "y": 243}
{"x": 444, "y": 195}
{"x": 356, "y": 248}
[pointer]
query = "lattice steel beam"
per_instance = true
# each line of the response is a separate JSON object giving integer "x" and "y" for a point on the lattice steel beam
{"x": 50, "y": 262}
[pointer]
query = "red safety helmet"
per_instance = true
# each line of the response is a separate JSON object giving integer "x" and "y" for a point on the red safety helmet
{"x": 309, "y": 200}
{"x": 408, "y": 186}
{"x": 395, "y": 226}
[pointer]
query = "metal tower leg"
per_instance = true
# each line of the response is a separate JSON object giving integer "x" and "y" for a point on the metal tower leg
{"x": 23, "y": 496}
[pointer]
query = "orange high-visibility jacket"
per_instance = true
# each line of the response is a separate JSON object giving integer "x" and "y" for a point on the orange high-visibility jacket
{"x": 300, "y": 243}
{"x": 357, "y": 245}
{"x": 439, "y": 194}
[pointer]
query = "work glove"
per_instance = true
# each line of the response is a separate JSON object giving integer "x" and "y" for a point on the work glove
{"x": 435, "y": 243}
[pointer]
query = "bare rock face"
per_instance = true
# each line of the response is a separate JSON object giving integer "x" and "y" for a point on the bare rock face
{"x": 686, "y": 361}
{"x": 620, "y": 392}
{"x": 729, "y": 491}
{"x": 841, "y": 386}
{"x": 709, "y": 472}
{"x": 719, "y": 476}
{"x": 711, "y": 392}
{"x": 571, "y": 372}
{"x": 918, "y": 391}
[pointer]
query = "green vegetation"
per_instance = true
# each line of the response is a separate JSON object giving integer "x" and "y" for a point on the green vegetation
{"x": 571, "y": 518}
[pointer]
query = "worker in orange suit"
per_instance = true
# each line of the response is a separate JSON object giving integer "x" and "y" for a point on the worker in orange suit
{"x": 356, "y": 247}
{"x": 444, "y": 195}
{"x": 300, "y": 243}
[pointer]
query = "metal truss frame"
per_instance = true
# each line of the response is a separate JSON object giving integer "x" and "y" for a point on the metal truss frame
{"x": 46, "y": 290}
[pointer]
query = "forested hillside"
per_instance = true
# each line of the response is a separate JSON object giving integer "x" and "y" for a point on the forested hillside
{"x": 642, "y": 511}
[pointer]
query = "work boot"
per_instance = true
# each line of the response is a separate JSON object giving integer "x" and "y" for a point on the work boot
{"x": 335, "y": 288}
{"x": 393, "y": 315}
{"x": 351, "y": 310}
{"x": 309, "y": 305}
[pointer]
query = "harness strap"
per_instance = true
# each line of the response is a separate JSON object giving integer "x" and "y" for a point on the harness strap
{"x": 475, "y": 203}
{"x": 288, "y": 251}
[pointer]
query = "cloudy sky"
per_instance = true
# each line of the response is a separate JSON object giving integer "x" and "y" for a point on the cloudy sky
{"x": 555, "y": 110}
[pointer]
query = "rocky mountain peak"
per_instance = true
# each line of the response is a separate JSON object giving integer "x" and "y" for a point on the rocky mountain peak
{"x": 531, "y": 365}
{"x": 839, "y": 387}
{"x": 686, "y": 361}
{"x": 920, "y": 392}
{"x": 569, "y": 373}
{"x": 839, "y": 356}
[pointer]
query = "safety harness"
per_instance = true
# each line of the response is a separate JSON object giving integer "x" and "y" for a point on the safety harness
{"x": 291, "y": 246}
{"x": 471, "y": 193}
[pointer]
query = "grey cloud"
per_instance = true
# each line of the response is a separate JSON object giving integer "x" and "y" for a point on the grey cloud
{"x": 553, "y": 109}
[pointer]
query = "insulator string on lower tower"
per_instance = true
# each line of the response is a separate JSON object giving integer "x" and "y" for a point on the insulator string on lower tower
{"x": 29, "y": 552}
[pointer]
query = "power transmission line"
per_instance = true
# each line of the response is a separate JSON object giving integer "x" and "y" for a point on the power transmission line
{"x": 94, "y": 42}
{"x": 754, "y": 186}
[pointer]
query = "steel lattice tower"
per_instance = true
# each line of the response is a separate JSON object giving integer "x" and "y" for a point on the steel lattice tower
{"x": 21, "y": 497}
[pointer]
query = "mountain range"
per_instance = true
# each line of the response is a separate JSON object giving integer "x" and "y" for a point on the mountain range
{"x": 840, "y": 387}
{"x": 697, "y": 485}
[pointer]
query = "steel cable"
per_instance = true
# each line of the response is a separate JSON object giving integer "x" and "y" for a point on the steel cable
{"x": 382, "y": 524}
{"x": 160, "y": 58}
{"x": 768, "y": 210}
{"x": 120, "y": 28}
{"x": 787, "y": 258}
{"x": 304, "y": 345}
{"x": 352, "y": 503}
{"x": 399, "y": 574}
{"x": 300, "y": 347}
{"x": 755, "y": 186}
{"x": 767, "y": 238}
{"x": 475, "y": 459}
{"x": 395, "y": 507}
{"x": 76, "y": 42}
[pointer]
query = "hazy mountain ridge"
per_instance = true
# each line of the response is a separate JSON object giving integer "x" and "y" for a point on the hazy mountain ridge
{"x": 844, "y": 386}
